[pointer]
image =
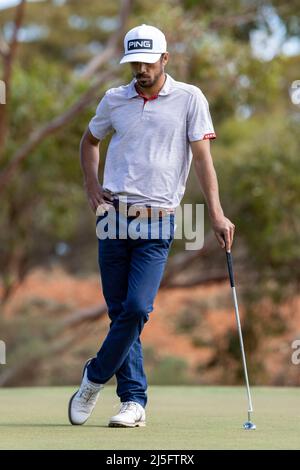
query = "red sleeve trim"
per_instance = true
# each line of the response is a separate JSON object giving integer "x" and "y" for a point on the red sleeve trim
{"x": 210, "y": 135}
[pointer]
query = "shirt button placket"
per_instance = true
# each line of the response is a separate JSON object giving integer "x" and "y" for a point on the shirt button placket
{"x": 146, "y": 111}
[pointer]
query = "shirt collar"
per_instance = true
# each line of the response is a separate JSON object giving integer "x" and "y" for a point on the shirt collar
{"x": 166, "y": 89}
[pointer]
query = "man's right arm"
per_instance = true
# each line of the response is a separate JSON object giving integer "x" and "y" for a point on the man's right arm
{"x": 89, "y": 160}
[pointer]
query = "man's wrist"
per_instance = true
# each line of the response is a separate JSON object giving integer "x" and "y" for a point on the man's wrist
{"x": 216, "y": 214}
{"x": 88, "y": 182}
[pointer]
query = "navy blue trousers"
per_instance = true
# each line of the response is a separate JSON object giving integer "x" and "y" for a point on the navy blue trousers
{"x": 131, "y": 271}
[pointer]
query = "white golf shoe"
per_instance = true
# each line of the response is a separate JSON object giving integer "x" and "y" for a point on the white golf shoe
{"x": 84, "y": 400}
{"x": 131, "y": 414}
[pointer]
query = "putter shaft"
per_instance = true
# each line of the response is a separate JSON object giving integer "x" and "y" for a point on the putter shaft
{"x": 237, "y": 316}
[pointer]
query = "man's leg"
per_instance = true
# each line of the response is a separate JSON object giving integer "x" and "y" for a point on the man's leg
{"x": 148, "y": 259}
{"x": 114, "y": 263}
{"x": 131, "y": 377}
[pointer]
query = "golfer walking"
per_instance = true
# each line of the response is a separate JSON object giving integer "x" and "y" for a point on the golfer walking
{"x": 159, "y": 125}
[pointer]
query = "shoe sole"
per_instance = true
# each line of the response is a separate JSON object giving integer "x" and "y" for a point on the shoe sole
{"x": 140, "y": 424}
{"x": 72, "y": 398}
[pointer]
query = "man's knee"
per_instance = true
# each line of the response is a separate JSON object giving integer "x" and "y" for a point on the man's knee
{"x": 113, "y": 313}
{"x": 136, "y": 308}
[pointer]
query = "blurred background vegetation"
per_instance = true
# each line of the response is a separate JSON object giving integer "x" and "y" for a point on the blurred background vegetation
{"x": 57, "y": 58}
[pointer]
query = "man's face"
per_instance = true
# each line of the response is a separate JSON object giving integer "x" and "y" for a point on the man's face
{"x": 148, "y": 74}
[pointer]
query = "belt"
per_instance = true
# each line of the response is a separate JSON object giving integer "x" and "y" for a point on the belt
{"x": 136, "y": 210}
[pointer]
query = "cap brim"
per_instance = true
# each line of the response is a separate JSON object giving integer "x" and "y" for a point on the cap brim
{"x": 141, "y": 57}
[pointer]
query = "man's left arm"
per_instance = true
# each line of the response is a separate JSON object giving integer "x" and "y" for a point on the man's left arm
{"x": 207, "y": 177}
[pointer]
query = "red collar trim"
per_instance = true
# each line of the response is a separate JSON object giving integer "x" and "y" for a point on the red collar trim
{"x": 153, "y": 97}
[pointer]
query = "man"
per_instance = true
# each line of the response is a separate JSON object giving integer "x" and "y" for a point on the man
{"x": 159, "y": 124}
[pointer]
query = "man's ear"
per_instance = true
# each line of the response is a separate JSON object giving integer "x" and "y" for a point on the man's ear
{"x": 165, "y": 57}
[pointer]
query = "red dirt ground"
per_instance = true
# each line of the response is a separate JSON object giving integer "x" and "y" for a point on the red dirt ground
{"x": 160, "y": 332}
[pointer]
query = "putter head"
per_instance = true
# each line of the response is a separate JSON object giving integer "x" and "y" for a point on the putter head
{"x": 249, "y": 426}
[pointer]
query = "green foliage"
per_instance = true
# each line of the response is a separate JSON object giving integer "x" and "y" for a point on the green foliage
{"x": 255, "y": 154}
{"x": 258, "y": 164}
{"x": 43, "y": 204}
{"x": 169, "y": 371}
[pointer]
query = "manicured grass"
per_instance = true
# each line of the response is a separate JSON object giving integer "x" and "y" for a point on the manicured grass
{"x": 178, "y": 417}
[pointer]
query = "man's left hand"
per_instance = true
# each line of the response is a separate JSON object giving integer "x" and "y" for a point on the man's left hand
{"x": 223, "y": 227}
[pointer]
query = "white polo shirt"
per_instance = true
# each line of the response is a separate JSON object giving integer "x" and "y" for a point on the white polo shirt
{"x": 149, "y": 155}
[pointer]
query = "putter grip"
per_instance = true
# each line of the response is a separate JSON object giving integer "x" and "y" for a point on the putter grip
{"x": 230, "y": 268}
{"x": 229, "y": 264}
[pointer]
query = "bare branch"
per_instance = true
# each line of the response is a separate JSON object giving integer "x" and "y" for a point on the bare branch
{"x": 234, "y": 20}
{"x": 11, "y": 374}
{"x": 83, "y": 315}
{"x": 183, "y": 260}
{"x": 4, "y": 47}
{"x": 57, "y": 123}
{"x": 194, "y": 267}
{"x": 12, "y": 46}
{"x": 112, "y": 45}
{"x": 213, "y": 277}
{"x": 58, "y": 343}
{"x": 252, "y": 14}
{"x": 8, "y": 59}
{"x": 39, "y": 135}
{"x": 20, "y": 10}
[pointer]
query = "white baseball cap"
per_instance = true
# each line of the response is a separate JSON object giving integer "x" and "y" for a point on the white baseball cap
{"x": 144, "y": 44}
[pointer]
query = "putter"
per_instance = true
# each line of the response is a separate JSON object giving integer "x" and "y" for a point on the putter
{"x": 248, "y": 425}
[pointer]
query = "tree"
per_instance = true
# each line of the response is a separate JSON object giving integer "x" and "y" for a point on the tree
{"x": 54, "y": 81}
{"x": 28, "y": 145}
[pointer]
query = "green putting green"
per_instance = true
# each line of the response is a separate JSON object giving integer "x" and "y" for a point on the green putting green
{"x": 178, "y": 417}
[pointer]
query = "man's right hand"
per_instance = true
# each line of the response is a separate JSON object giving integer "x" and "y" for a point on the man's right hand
{"x": 97, "y": 196}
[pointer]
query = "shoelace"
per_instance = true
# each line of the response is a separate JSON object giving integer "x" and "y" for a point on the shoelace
{"x": 88, "y": 393}
{"x": 128, "y": 405}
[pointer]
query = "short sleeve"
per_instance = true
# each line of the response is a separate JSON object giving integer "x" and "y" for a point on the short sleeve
{"x": 100, "y": 124}
{"x": 199, "y": 122}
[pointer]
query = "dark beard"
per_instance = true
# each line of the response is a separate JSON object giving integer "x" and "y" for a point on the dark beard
{"x": 153, "y": 82}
